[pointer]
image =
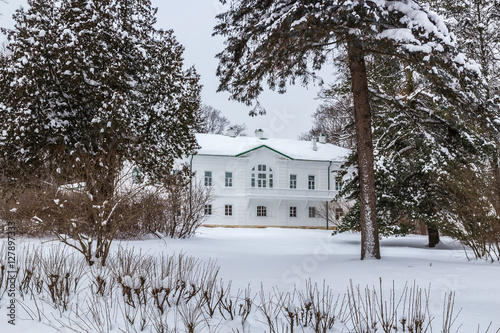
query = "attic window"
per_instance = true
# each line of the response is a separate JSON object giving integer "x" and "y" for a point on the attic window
{"x": 262, "y": 176}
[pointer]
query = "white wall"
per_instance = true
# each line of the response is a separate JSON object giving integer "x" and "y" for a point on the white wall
{"x": 245, "y": 199}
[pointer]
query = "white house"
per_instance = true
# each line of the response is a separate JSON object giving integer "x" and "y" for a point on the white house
{"x": 262, "y": 181}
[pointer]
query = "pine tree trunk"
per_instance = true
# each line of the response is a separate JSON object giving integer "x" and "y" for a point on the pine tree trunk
{"x": 362, "y": 115}
{"x": 433, "y": 234}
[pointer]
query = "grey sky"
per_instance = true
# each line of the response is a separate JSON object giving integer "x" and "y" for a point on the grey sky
{"x": 288, "y": 115}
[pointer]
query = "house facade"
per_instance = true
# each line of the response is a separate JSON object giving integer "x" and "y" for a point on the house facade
{"x": 262, "y": 181}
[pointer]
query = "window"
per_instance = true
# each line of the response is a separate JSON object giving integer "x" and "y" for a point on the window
{"x": 293, "y": 181}
{"x": 262, "y": 180}
{"x": 137, "y": 177}
{"x": 229, "y": 179}
{"x": 293, "y": 211}
{"x": 208, "y": 178}
{"x": 261, "y": 211}
{"x": 264, "y": 176}
{"x": 311, "y": 183}
{"x": 208, "y": 209}
{"x": 338, "y": 183}
{"x": 312, "y": 211}
{"x": 338, "y": 213}
{"x": 228, "y": 210}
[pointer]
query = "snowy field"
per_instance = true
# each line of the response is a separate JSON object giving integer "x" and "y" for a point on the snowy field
{"x": 287, "y": 258}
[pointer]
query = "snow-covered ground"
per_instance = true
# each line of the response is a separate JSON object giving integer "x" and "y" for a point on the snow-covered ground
{"x": 285, "y": 258}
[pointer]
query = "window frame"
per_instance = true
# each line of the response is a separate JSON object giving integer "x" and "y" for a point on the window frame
{"x": 312, "y": 212}
{"x": 261, "y": 211}
{"x": 311, "y": 182}
{"x": 228, "y": 210}
{"x": 338, "y": 183}
{"x": 262, "y": 176}
{"x": 208, "y": 178}
{"x": 208, "y": 209}
{"x": 228, "y": 180}
{"x": 293, "y": 211}
{"x": 293, "y": 182}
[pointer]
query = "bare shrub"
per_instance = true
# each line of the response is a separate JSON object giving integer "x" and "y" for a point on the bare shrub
{"x": 319, "y": 308}
{"x": 178, "y": 208}
{"x": 30, "y": 270}
{"x": 62, "y": 275}
{"x": 449, "y": 318}
{"x": 130, "y": 270}
{"x": 191, "y": 315}
{"x": 473, "y": 201}
{"x": 362, "y": 309}
{"x": 84, "y": 212}
{"x": 270, "y": 310}
{"x": 101, "y": 281}
{"x": 333, "y": 211}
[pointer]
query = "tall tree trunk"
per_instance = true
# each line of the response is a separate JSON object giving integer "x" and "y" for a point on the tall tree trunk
{"x": 433, "y": 234}
{"x": 362, "y": 115}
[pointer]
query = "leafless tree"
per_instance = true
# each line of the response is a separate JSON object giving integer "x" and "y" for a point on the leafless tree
{"x": 333, "y": 211}
{"x": 212, "y": 121}
{"x": 178, "y": 209}
{"x": 335, "y": 120}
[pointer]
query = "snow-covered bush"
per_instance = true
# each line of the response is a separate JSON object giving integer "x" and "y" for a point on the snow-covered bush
{"x": 163, "y": 293}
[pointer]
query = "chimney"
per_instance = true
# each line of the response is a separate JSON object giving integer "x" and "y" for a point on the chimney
{"x": 322, "y": 138}
{"x": 259, "y": 133}
{"x": 314, "y": 146}
{"x": 231, "y": 132}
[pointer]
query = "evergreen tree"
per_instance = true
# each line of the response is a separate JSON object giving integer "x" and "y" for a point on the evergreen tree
{"x": 421, "y": 138}
{"x": 95, "y": 82}
{"x": 284, "y": 40}
{"x": 90, "y": 85}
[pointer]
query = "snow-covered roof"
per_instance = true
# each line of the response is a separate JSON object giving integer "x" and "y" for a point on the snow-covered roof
{"x": 222, "y": 145}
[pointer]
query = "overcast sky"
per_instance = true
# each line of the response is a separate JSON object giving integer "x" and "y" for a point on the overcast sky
{"x": 288, "y": 115}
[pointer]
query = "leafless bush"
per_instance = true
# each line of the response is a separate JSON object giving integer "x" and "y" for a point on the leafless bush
{"x": 158, "y": 320}
{"x": 362, "y": 309}
{"x": 319, "y": 308}
{"x": 333, "y": 211}
{"x": 192, "y": 315}
{"x": 270, "y": 310}
{"x": 62, "y": 274}
{"x": 473, "y": 202}
{"x": 130, "y": 270}
{"x": 145, "y": 292}
{"x": 101, "y": 314}
{"x": 449, "y": 317}
{"x": 101, "y": 281}
{"x": 178, "y": 209}
{"x": 408, "y": 312}
{"x": 211, "y": 296}
{"x": 30, "y": 270}
{"x": 387, "y": 313}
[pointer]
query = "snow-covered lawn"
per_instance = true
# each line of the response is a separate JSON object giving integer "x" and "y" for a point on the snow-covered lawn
{"x": 285, "y": 258}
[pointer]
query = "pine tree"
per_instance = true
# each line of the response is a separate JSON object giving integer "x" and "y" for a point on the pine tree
{"x": 92, "y": 85}
{"x": 95, "y": 80}
{"x": 285, "y": 40}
